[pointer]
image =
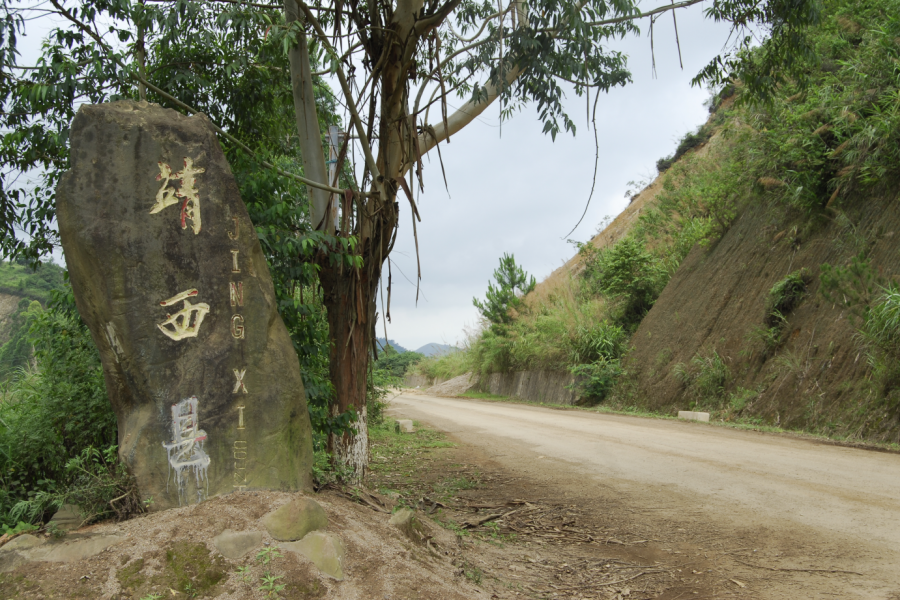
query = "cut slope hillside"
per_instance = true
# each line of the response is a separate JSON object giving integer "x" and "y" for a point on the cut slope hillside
{"x": 815, "y": 375}
{"x": 622, "y": 224}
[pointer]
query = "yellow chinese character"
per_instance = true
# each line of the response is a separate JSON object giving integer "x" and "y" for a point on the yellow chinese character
{"x": 166, "y": 196}
{"x": 186, "y": 322}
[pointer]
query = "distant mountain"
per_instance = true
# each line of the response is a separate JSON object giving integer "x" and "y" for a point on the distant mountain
{"x": 396, "y": 346}
{"x": 435, "y": 349}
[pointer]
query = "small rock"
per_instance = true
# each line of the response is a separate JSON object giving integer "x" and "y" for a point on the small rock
{"x": 406, "y": 521}
{"x": 404, "y": 426}
{"x": 325, "y": 550}
{"x": 67, "y": 518}
{"x": 235, "y": 544}
{"x": 23, "y": 542}
{"x": 295, "y": 519}
{"x": 82, "y": 548}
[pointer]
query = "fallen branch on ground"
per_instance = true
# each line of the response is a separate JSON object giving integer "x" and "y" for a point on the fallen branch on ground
{"x": 798, "y": 570}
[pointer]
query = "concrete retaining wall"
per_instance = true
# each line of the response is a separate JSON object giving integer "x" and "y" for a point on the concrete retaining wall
{"x": 420, "y": 381}
{"x": 532, "y": 386}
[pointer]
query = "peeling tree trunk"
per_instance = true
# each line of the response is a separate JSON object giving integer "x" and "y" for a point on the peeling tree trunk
{"x": 307, "y": 121}
{"x": 349, "y": 300}
{"x": 349, "y": 294}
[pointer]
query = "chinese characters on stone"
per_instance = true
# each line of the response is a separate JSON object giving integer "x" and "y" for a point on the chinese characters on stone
{"x": 186, "y": 322}
{"x": 167, "y": 196}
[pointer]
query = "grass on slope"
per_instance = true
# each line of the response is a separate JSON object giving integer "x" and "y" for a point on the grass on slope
{"x": 19, "y": 280}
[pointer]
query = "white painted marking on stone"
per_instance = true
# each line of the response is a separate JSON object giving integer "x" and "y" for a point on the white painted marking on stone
{"x": 113, "y": 340}
{"x": 186, "y": 449}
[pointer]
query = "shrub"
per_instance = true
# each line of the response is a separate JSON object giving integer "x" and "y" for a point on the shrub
{"x": 378, "y": 388}
{"x": 443, "y": 366}
{"x": 784, "y": 297}
{"x": 52, "y": 416}
{"x": 880, "y": 334}
{"x": 95, "y": 481}
{"x": 598, "y": 341}
{"x": 740, "y": 398}
{"x": 704, "y": 377}
{"x": 626, "y": 274}
{"x": 16, "y": 354}
{"x": 769, "y": 337}
{"x": 691, "y": 140}
{"x": 395, "y": 364}
{"x": 854, "y": 286}
{"x": 595, "y": 381}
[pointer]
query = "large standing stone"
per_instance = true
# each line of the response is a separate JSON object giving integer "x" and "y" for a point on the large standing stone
{"x": 169, "y": 275}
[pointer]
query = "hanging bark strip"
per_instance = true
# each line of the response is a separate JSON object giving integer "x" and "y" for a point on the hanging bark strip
{"x": 430, "y": 131}
{"x": 387, "y": 313}
{"x": 677, "y": 41}
{"x": 415, "y": 215}
{"x": 440, "y": 75}
{"x": 415, "y": 142}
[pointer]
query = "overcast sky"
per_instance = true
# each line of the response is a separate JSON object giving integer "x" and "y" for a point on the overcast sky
{"x": 522, "y": 193}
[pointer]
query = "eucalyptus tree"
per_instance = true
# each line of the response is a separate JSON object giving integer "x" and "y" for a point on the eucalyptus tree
{"x": 396, "y": 64}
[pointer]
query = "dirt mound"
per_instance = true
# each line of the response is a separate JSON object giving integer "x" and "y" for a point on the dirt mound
{"x": 171, "y": 554}
{"x": 454, "y": 387}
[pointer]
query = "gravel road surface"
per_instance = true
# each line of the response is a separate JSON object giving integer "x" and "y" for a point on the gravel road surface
{"x": 798, "y": 508}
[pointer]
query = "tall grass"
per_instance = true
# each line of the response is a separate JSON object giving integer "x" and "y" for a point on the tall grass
{"x": 880, "y": 335}
{"x": 443, "y": 366}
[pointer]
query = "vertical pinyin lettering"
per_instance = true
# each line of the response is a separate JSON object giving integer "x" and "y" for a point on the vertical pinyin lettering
{"x": 236, "y": 297}
{"x": 237, "y": 230}
{"x": 239, "y": 381}
{"x": 237, "y": 327}
{"x": 240, "y": 467}
{"x": 236, "y": 292}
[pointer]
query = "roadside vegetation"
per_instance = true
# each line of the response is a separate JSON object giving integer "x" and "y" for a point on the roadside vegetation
{"x": 18, "y": 278}
{"x": 811, "y": 155}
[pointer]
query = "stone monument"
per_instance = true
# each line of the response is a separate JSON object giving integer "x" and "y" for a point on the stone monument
{"x": 170, "y": 277}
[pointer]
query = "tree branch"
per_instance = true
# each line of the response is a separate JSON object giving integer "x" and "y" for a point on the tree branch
{"x": 348, "y": 94}
{"x": 483, "y": 25}
{"x": 650, "y": 13}
{"x": 424, "y": 26}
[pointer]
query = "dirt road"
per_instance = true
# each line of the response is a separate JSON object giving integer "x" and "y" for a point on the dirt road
{"x": 781, "y": 517}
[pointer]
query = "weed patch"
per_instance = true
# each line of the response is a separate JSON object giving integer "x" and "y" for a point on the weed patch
{"x": 192, "y": 568}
